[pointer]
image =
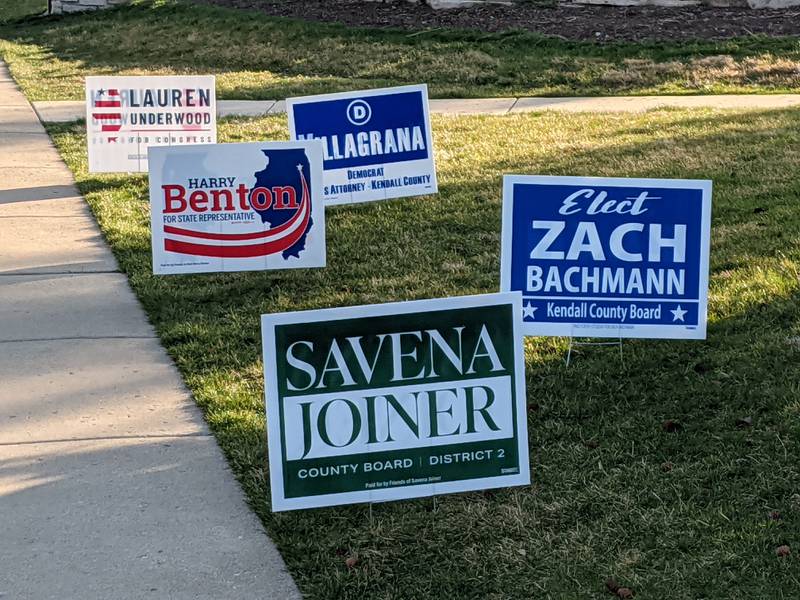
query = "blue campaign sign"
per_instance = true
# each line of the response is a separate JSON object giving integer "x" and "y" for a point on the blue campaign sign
{"x": 607, "y": 257}
{"x": 377, "y": 144}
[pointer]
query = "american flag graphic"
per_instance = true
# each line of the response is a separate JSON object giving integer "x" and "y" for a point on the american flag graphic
{"x": 107, "y": 105}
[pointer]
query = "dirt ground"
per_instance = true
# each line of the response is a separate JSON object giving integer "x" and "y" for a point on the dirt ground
{"x": 570, "y": 22}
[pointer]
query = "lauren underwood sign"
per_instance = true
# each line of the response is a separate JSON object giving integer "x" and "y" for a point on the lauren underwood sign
{"x": 607, "y": 257}
{"x": 127, "y": 115}
{"x": 237, "y": 207}
{"x": 377, "y": 143}
{"x": 392, "y": 401}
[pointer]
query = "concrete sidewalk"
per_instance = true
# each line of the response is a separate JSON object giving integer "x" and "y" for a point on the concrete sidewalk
{"x": 111, "y": 486}
{"x": 65, "y": 111}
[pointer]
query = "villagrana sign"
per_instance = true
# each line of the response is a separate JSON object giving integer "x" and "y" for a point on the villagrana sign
{"x": 377, "y": 144}
{"x": 608, "y": 257}
{"x": 392, "y": 401}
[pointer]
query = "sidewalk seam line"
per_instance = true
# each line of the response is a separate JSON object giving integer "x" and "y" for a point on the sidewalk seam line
{"x": 37, "y": 168}
{"x": 34, "y": 274}
{"x": 82, "y": 337}
{"x": 43, "y": 132}
{"x": 147, "y": 436}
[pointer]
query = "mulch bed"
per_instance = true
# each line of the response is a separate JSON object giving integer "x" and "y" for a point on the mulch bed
{"x": 570, "y": 22}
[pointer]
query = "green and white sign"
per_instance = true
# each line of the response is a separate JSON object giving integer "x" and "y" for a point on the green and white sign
{"x": 391, "y": 401}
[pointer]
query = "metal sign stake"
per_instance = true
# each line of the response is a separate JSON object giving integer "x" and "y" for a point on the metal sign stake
{"x": 572, "y": 343}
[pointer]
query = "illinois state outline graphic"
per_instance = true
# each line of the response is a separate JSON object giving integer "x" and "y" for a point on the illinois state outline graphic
{"x": 282, "y": 170}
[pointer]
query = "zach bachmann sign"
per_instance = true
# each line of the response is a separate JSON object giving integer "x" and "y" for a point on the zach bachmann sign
{"x": 237, "y": 207}
{"x": 377, "y": 144}
{"x": 127, "y": 115}
{"x": 383, "y": 402}
{"x": 608, "y": 257}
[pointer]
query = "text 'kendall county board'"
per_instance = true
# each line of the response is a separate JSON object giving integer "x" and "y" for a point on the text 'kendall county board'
{"x": 608, "y": 257}
{"x": 392, "y": 401}
{"x": 237, "y": 207}
{"x": 377, "y": 144}
{"x": 127, "y": 115}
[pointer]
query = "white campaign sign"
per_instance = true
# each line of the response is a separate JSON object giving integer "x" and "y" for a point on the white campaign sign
{"x": 237, "y": 207}
{"x": 127, "y": 115}
{"x": 392, "y": 401}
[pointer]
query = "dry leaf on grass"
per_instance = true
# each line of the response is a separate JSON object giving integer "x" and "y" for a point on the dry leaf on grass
{"x": 618, "y": 590}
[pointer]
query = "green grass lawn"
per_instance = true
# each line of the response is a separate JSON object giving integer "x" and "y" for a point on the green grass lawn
{"x": 672, "y": 514}
{"x": 258, "y": 57}
{"x": 17, "y": 9}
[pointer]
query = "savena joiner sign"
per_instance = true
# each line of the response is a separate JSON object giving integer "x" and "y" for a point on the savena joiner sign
{"x": 127, "y": 115}
{"x": 392, "y": 401}
{"x": 608, "y": 257}
{"x": 377, "y": 144}
{"x": 236, "y": 207}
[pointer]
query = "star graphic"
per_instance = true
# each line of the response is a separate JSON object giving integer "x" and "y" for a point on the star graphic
{"x": 677, "y": 314}
{"x": 101, "y": 92}
{"x": 528, "y": 310}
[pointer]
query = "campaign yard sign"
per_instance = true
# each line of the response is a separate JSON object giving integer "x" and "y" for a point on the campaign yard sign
{"x": 377, "y": 143}
{"x": 127, "y": 115}
{"x": 403, "y": 400}
{"x": 237, "y": 207}
{"x": 608, "y": 257}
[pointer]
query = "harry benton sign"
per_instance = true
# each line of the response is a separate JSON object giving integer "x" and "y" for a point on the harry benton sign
{"x": 377, "y": 144}
{"x": 392, "y": 401}
{"x": 237, "y": 207}
{"x": 607, "y": 257}
{"x": 127, "y": 115}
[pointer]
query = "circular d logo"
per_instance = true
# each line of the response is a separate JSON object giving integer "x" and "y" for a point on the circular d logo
{"x": 359, "y": 112}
